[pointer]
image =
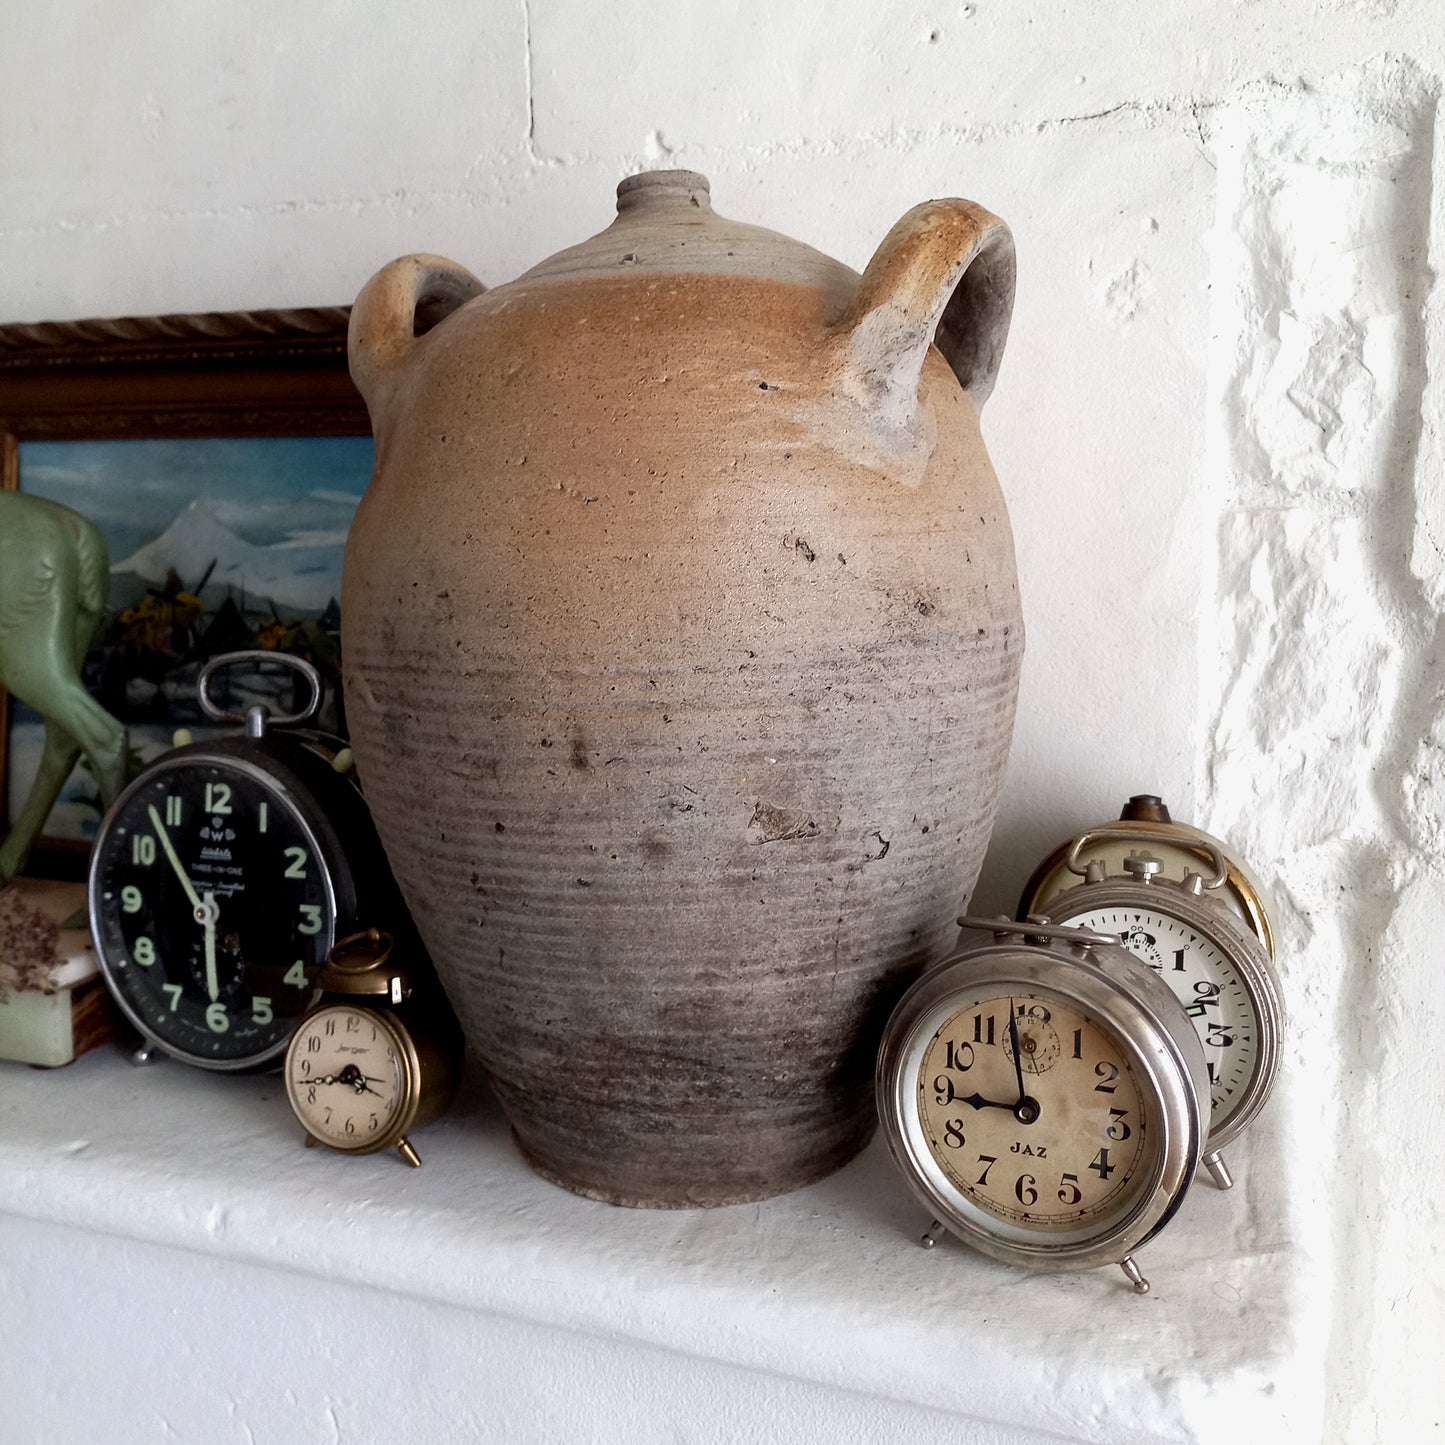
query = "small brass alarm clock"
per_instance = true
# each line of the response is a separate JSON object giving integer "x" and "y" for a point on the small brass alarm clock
{"x": 1217, "y": 967}
{"x": 1044, "y": 1096}
{"x": 379, "y": 1056}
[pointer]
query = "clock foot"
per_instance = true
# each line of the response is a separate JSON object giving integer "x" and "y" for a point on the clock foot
{"x": 1131, "y": 1272}
{"x": 931, "y": 1237}
{"x": 142, "y": 1056}
{"x": 1219, "y": 1170}
{"x": 310, "y": 1142}
{"x": 409, "y": 1154}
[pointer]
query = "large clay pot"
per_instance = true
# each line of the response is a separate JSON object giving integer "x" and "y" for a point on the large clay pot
{"x": 682, "y": 640}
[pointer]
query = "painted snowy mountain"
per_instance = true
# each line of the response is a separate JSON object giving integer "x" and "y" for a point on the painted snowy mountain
{"x": 301, "y": 573}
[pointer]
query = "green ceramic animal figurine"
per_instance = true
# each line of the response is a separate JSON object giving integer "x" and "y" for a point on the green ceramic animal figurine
{"x": 54, "y": 577}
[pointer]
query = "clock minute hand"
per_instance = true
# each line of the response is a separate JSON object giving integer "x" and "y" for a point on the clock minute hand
{"x": 170, "y": 852}
{"x": 208, "y": 907}
{"x": 1013, "y": 1033}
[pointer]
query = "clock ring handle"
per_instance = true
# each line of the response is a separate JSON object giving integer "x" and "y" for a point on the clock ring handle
{"x": 1038, "y": 929}
{"x": 258, "y": 717}
{"x": 1217, "y": 879}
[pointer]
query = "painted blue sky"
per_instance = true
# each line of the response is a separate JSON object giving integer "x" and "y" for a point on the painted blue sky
{"x": 269, "y": 491}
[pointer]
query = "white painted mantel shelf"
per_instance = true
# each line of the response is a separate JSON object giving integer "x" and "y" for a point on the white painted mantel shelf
{"x": 155, "y": 1220}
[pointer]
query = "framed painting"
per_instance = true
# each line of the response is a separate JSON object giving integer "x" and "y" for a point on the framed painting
{"x": 222, "y": 456}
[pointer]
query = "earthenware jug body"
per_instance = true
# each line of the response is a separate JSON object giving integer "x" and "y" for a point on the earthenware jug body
{"x": 682, "y": 641}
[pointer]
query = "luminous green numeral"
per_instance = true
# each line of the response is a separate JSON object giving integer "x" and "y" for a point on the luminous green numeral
{"x": 313, "y": 919}
{"x": 297, "y": 867}
{"x": 173, "y": 812}
{"x": 142, "y": 849}
{"x": 130, "y": 899}
{"x": 144, "y": 951}
{"x": 217, "y": 1019}
{"x": 261, "y": 823}
{"x": 218, "y": 798}
{"x": 174, "y": 989}
{"x": 261, "y": 1010}
{"x": 296, "y": 975}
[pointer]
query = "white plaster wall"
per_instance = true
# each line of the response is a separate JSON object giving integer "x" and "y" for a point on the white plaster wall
{"x": 1220, "y": 424}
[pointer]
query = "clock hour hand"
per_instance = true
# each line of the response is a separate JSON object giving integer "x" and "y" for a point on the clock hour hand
{"x": 977, "y": 1101}
{"x": 169, "y": 849}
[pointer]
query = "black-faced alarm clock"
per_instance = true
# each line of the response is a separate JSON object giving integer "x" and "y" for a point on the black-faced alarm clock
{"x": 223, "y": 874}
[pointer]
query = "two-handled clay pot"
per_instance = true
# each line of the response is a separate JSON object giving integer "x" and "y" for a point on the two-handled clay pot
{"x": 682, "y": 640}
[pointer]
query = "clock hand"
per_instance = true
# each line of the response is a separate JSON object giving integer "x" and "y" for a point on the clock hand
{"x": 977, "y": 1101}
{"x": 170, "y": 852}
{"x": 1013, "y": 1033}
{"x": 208, "y": 908}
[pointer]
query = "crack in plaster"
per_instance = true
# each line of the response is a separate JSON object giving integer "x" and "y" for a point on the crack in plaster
{"x": 506, "y": 168}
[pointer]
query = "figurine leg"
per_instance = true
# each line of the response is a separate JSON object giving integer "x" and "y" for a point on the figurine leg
{"x": 61, "y": 752}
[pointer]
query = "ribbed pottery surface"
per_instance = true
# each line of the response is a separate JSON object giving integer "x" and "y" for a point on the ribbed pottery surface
{"x": 682, "y": 718}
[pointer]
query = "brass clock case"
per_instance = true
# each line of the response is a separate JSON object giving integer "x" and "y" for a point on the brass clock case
{"x": 1182, "y": 853}
{"x": 361, "y": 980}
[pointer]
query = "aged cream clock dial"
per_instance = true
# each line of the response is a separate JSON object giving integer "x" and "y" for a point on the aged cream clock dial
{"x": 1044, "y": 1096}
{"x": 1217, "y": 968}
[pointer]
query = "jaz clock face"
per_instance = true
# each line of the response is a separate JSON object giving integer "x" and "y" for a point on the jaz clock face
{"x": 212, "y": 909}
{"x": 346, "y": 1078}
{"x": 1034, "y": 1113}
{"x": 1206, "y": 982}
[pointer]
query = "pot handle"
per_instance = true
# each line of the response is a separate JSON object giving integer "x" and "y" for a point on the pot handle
{"x": 409, "y": 292}
{"x": 944, "y": 275}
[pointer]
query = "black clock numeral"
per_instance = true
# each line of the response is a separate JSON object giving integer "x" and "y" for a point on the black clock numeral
{"x": 1178, "y": 960}
{"x": 1070, "y": 1182}
{"x": 988, "y": 1161}
{"x": 1101, "y": 1165}
{"x": 1035, "y": 1011}
{"x": 1206, "y": 996}
{"x": 953, "y": 1134}
{"x": 982, "y": 1034}
{"x": 1109, "y": 1073}
{"x": 1078, "y": 1043}
{"x": 1118, "y": 1130}
{"x": 960, "y": 1057}
{"x": 1213, "y": 1073}
{"x": 943, "y": 1090}
{"x": 1024, "y": 1190}
{"x": 1219, "y": 1037}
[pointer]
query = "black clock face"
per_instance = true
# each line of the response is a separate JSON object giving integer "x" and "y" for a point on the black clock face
{"x": 212, "y": 908}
